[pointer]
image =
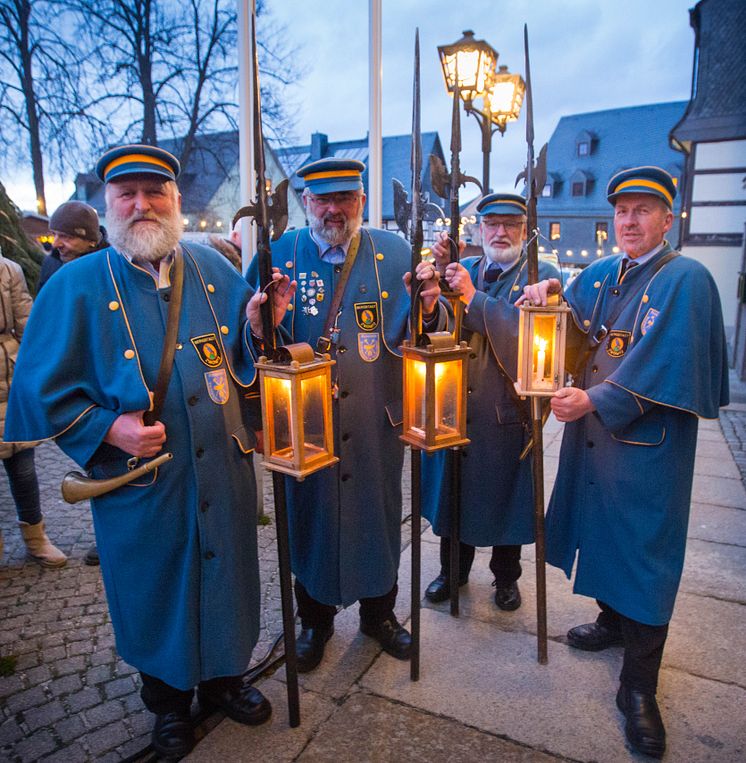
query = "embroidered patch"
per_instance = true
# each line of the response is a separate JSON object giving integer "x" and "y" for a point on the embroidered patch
{"x": 366, "y": 315}
{"x": 208, "y": 349}
{"x": 648, "y": 320}
{"x": 369, "y": 346}
{"x": 217, "y": 386}
{"x": 616, "y": 345}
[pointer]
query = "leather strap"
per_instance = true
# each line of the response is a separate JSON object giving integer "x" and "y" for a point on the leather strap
{"x": 169, "y": 340}
{"x": 327, "y": 338}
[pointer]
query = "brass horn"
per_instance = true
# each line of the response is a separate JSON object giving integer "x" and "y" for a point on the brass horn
{"x": 77, "y": 487}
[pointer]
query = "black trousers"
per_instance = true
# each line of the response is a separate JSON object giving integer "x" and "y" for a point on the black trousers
{"x": 24, "y": 486}
{"x": 315, "y": 614}
{"x": 643, "y": 648}
{"x": 161, "y": 698}
{"x": 505, "y": 562}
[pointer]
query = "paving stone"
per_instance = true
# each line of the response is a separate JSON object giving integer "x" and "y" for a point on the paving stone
{"x": 106, "y": 738}
{"x": 118, "y": 688}
{"x": 36, "y": 746}
{"x": 32, "y": 697}
{"x": 106, "y": 712}
{"x": 45, "y": 715}
{"x": 74, "y": 752}
{"x": 70, "y": 728}
{"x": 65, "y": 685}
{"x": 81, "y": 700}
{"x": 10, "y": 732}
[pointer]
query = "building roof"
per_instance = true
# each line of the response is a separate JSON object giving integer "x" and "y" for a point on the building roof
{"x": 395, "y": 162}
{"x": 717, "y": 110}
{"x": 617, "y": 139}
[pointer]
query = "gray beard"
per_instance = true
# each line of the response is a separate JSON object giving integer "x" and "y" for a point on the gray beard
{"x": 503, "y": 256}
{"x": 335, "y": 236}
{"x": 149, "y": 244}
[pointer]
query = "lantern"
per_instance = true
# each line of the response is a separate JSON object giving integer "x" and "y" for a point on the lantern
{"x": 504, "y": 97}
{"x": 435, "y": 392}
{"x": 542, "y": 333}
{"x": 473, "y": 59}
{"x": 297, "y": 410}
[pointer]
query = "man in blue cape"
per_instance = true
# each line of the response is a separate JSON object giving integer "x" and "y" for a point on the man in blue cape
{"x": 652, "y": 360}
{"x": 496, "y": 486}
{"x": 178, "y": 547}
{"x": 345, "y": 521}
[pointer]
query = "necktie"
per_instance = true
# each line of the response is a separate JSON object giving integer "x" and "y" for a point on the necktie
{"x": 335, "y": 255}
{"x": 626, "y": 265}
{"x": 491, "y": 274}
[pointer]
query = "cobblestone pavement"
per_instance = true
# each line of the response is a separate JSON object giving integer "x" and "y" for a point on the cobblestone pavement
{"x": 733, "y": 422}
{"x": 69, "y": 697}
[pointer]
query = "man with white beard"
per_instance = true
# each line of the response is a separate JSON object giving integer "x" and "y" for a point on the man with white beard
{"x": 496, "y": 487}
{"x": 177, "y": 547}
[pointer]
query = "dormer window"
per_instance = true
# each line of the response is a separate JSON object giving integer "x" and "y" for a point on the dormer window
{"x": 584, "y": 148}
{"x": 584, "y": 143}
{"x": 580, "y": 184}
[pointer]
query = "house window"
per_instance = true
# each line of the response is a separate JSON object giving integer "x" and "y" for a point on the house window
{"x": 554, "y": 231}
{"x": 584, "y": 148}
{"x": 578, "y": 189}
{"x": 602, "y": 232}
{"x": 546, "y": 192}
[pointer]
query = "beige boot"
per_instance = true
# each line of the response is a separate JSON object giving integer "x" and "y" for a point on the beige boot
{"x": 39, "y": 547}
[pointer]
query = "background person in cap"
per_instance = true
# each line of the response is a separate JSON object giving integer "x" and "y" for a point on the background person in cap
{"x": 76, "y": 232}
{"x": 178, "y": 550}
{"x": 653, "y": 338}
{"x": 345, "y": 521}
{"x": 496, "y": 487}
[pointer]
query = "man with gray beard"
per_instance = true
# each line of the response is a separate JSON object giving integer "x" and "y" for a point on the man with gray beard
{"x": 177, "y": 547}
{"x": 345, "y": 521}
{"x": 496, "y": 486}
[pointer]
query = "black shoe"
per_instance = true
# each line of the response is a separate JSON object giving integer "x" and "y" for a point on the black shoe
{"x": 392, "y": 637}
{"x": 91, "y": 557}
{"x": 173, "y": 735}
{"x": 593, "y": 637}
{"x": 245, "y": 705}
{"x": 440, "y": 590}
{"x": 507, "y": 595}
{"x": 644, "y": 728}
{"x": 309, "y": 647}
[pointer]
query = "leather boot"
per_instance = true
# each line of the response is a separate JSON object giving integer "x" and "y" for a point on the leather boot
{"x": 644, "y": 728}
{"x": 39, "y": 547}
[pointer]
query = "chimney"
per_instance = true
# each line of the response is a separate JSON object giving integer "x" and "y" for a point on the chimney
{"x": 319, "y": 145}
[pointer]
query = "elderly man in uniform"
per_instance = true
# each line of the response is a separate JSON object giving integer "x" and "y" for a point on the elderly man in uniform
{"x": 178, "y": 549}
{"x": 345, "y": 521}
{"x": 76, "y": 232}
{"x": 653, "y": 360}
{"x": 496, "y": 486}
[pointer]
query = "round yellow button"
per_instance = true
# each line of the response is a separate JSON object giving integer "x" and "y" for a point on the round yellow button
{"x": 379, "y": 256}
{"x": 179, "y": 346}
{"x": 210, "y": 288}
{"x": 645, "y": 298}
{"x": 289, "y": 264}
{"x": 129, "y": 354}
{"x": 597, "y": 285}
{"x": 224, "y": 329}
{"x": 113, "y": 305}
{"x": 586, "y": 323}
{"x": 384, "y": 295}
{"x": 516, "y": 287}
{"x": 290, "y": 307}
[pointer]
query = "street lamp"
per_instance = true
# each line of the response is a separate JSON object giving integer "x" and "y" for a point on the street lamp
{"x": 501, "y": 92}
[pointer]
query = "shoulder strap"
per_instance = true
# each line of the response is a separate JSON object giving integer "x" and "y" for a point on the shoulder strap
{"x": 169, "y": 340}
{"x": 327, "y": 338}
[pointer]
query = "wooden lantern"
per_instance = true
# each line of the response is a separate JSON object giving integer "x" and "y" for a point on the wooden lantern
{"x": 435, "y": 377}
{"x": 542, "y": 334}
{"x": 297, "y": 410}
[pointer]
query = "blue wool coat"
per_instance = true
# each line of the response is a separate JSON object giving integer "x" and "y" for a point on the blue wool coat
{"x": 345, "y": 520}
{"x": 178, "y": 551}
{"x": 496, "y": 488}
{"x": 621, "y": 499}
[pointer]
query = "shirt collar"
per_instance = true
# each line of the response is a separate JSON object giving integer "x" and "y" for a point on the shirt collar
{"x": 643, "y": 258}
{"x": 325, "y": 246}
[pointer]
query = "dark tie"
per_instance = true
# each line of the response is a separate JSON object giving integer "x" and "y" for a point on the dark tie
{"x": 627, "y": 265}
{"x": 491, "y": 274}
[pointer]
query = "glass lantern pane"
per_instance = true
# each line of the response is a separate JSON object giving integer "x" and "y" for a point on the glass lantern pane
{"x": 416, "y": 394}
{"x": 313, "y": 392}
{"x": 447, "y": 396}
{"x": 542, "y": 371}
{"x": 279, "y": 398}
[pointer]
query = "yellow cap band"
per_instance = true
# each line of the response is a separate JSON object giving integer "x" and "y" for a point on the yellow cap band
{"x": 143, "y": 158}
{"x": 647, "y": 184}
{"x": 332, "y": 174}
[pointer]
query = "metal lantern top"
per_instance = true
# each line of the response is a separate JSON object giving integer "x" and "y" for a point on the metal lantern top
{"x": 475, "y": 61}
{"x": 505, "y": 97}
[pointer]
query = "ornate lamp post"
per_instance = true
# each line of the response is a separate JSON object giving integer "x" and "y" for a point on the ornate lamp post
{"x": 473, "y": 63}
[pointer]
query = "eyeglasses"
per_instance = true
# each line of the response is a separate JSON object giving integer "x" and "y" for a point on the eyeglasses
{"x": 510, "y": 227}
{"x": 343, "y": 199}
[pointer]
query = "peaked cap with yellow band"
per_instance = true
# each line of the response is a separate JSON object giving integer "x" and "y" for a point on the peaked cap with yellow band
{"x": 332, "y": 175}
{"x": 502, "y": 204}
{"x": 137, "y": 159}
{"x": 652, "y": 180}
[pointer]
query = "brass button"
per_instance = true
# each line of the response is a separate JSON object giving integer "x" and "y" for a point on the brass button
{"x": 586, "y": 323}
{"x": 224, "y": 329}
{"x": 290, "y": 306}
{"x": 129, "y": 354}
{"x": 179, "y": 346}
{"x": 289, "y": 264}
{"x": 379, "y": 256}
{"x": 597, "y": 285}
{"x": 645, "y": 298}
{"x": 113, "y": 305}
{"x": 384, "y": 295}
{"x": 516, "y": 287}
{"x": 210, "y": 288}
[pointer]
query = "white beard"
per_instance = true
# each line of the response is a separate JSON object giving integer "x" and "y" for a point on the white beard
{"x": 503, "y": 256}
{"x": 335, "y": 236}
{"x": 150, "y": 243}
